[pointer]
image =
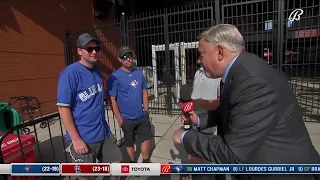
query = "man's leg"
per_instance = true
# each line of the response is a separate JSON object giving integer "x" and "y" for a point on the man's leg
{"x": 145, "y": 150}
{"x": 145, "y": 135}
{"x": 130, "y": 150}
{"x": 90, "y": 157}
{"x": 128, "y": 128}
{"x": 110, "y": 152}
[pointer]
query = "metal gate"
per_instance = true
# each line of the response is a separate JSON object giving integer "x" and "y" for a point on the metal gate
{"x": 286, "y": 35}
{"x": 166, "y": 41}
{"x": 157, "y": 38}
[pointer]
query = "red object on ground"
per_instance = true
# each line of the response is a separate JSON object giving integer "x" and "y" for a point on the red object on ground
{"x": 11, "y": 152}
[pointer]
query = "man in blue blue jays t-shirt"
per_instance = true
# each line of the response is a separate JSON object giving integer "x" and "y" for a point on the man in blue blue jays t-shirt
{"x": 80, "y": 100}
{"x": 129, "y": 98}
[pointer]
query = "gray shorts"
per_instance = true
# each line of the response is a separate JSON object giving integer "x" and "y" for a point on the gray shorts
{"x": 106, "y": 151}
{"x": 140, "y": 127}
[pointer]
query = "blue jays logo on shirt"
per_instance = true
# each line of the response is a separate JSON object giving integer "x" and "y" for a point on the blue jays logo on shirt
{"x": 134, "y": 83}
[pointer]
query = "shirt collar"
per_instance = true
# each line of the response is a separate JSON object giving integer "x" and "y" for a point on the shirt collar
{"x": 226, "y": 71}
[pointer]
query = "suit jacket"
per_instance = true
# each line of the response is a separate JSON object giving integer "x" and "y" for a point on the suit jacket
{"x": 259, "y": 121}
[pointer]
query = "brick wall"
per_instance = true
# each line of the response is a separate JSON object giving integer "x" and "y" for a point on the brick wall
{"x": 31, "y": 45}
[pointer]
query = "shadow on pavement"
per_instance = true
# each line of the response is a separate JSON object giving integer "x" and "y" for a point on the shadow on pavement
{"x": 182, "y": 154}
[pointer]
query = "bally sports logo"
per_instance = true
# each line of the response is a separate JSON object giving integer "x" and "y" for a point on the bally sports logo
{"x": 165, "y": 169}
{"x": 188, "y": 107}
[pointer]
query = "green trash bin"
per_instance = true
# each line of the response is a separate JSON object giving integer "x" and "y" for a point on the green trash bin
{"x": 3, "y": 124}
{"x": 9, "y": 117}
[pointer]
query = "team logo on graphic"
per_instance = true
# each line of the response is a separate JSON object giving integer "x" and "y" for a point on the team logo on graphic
{"x": 178, "y": 168}
{"x": 125, "y": 168}
{"x": 134, "y": 83}
{"x": 28, "y": 169}
{"x": 77, "y": 169}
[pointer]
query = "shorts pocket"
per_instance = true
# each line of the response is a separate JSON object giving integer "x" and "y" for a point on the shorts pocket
{"x": 82, "y": 158}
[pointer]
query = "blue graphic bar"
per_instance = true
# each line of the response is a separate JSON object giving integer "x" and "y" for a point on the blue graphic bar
{"x": 26, "y": 169}
{"x": 245, "y": 169}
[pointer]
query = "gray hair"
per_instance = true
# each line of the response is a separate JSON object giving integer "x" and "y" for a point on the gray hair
{"x": 227, "y": 35}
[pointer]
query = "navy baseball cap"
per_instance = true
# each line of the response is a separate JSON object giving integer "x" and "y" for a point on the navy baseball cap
{"x": 83, "y": 40}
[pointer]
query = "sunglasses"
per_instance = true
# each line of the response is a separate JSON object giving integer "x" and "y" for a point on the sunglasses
{"x": 125, "y": 57}
{"x": 90, "y": 49}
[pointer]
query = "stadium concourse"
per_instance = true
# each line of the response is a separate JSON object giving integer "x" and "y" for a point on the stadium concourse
{"x": 163, "y": 148}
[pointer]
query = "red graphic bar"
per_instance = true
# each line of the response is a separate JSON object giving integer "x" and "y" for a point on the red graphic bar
{"x": 83, "y": 168}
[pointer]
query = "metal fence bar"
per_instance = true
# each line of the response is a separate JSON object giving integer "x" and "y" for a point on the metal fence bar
{"x": 217, "y": 12}
{"x": 280, "y": 38}
{"x": 123, "y": 30}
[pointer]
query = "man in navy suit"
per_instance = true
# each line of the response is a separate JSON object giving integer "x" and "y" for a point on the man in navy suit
{"x": 259, "y": 120}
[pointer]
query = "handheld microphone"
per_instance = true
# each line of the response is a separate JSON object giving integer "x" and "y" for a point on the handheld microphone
{"x": 186, "y": 103}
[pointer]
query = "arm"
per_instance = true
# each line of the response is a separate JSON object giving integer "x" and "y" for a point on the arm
{"x": 211, "y": 121}
{"x": 207, "y": 104}
{"x": 145, "y": 95}
{"x": 145, "y": 100}
{"x": 65, "y": 94}
{"x": 113, "y": 85}
{"x": 115, "y": 110}
{"x": 68, "y": 122}
{"x": 253, "y": 115}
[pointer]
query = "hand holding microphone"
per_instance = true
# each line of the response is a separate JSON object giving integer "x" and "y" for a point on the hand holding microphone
{"x": 191, "y": 117}
{"x": 188, "y": 115}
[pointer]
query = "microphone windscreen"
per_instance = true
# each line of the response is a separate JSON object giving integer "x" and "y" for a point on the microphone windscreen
{"x": 185, "y": 92}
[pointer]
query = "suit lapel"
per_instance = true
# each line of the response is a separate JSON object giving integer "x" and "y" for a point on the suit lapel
{"x": 225, "y": 89}
{"x": 225, "y": 96}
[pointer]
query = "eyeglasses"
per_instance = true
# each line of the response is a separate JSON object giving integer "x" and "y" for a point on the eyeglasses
{"x": 125, "y": 57}
{"x": 90, "y": 49}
